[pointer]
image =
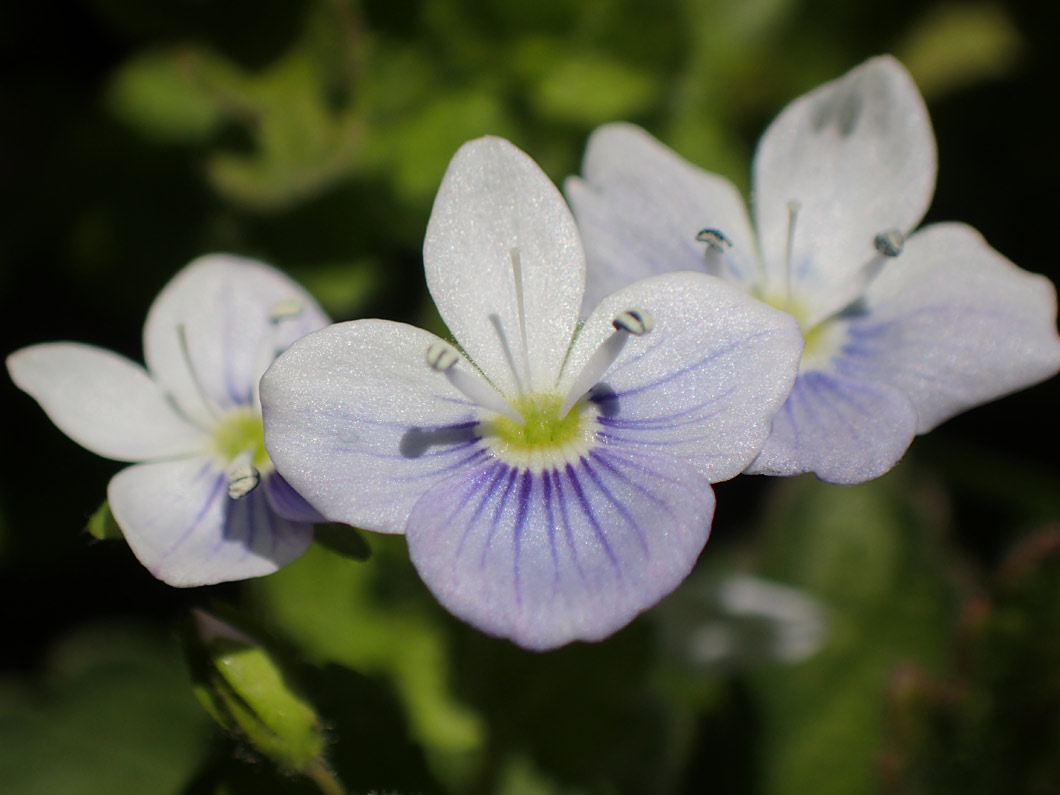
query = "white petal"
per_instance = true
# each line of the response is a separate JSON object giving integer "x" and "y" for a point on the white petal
{"x": 494, "y": 199}
{"x": 235, "y": 314}
{"x": 181, "y": 524}
{"x": 360, "y": 426}
{"x": 103, "y": 401}
{"x": 560, "y": 555}
{"x": 952, "y": 324}
{"x": 842, "y": 429}
{"x": 858, "y": 155}
{"x": 704, "y": 383}
{"x": 639, "y": 207}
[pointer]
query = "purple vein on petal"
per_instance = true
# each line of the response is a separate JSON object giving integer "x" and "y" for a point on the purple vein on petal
{"x": 561, "y": 500}
{"x": 619, "y": 506}
{"x": 220, "y": 484}
{"x": 602, "y": 459}
{"x": 550, "y": 523}
{"x": 525, "y": 488}
{"x": 490, "y": 486}
{"x": 692, "y": 366}
{"x": 677, "y": 419}
{"x": 598, "y": 531}
{"x": 498, "y": 514}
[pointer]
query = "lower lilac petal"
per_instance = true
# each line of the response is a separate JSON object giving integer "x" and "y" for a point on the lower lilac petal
{"x": 181, "y": 524}
{"x": 841, "y": 429}
{"x": 574, "y": 553}
{"x": 287, "y": 502}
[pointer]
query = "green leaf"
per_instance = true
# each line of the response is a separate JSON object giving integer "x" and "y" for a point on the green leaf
{"x": 114, "y": 712}
{"x": 160, "y": 95}
{"x": 102, "y": 526}
{"x": 339, "y": 611}
{"x": 343, "y": 540}
{"x": 869, "y": 554}
{"x": 244, "y": 690}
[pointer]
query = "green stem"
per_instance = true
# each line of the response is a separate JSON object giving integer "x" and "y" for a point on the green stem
{"x": 320, "y": 775}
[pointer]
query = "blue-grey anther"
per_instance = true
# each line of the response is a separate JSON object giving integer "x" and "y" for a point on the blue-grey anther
{"x": 636, "y": 321}
{"x": 285, "y": 309}
{"x": 889, "y": 243}
{"x": 715, "y": 239}
{"x": 243, "y": 477}
{"x": 441, "y": 357}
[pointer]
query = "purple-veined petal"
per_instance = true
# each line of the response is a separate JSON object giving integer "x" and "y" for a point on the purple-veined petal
{"x": 287, "y": 502}
{"x": 704, "y": 384}
{"x": 858, "y": 155}
{"x": 104, "y": 402}
{"x": 842, "y": 429}
{"x": 358, "y": 423}
{"x": 952, "y": 324}
{"x": 227, "y": 317}
{"x": 494, "y": 199}
{"x": 639, "y": 208}
{"x": 559, "y": 555}
{"x": 181, "y": 524}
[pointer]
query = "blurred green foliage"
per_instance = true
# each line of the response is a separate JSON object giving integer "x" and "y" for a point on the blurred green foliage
{"x": 313, "y": 134}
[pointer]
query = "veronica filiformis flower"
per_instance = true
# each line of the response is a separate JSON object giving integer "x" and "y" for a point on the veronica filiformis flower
{"x": 902, "y": 330}
{"x": 204, "y": 503}
{"x": 551, "y": 477}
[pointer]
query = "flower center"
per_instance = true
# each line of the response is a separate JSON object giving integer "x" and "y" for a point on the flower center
{"x": 239, "y": 431}
{"x": 541, "y": 425}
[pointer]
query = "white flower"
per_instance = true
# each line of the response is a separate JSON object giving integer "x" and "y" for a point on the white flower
{"x": 205, "y": 505}
{"x": 901, "y": 333}
{"x": 552, "y": 478}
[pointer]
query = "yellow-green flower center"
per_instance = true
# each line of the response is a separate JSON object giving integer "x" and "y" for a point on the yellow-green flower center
{"x": 542, "y": 427}
{"x": 240, "y": 430}
{"x": 812, "y": 336}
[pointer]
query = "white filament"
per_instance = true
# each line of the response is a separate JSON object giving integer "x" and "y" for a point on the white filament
{"x": 517, "y": 272}
{"x": 794, "y": 205}
{"x": 635, "y": 322}
{"x": 443, "y": 359}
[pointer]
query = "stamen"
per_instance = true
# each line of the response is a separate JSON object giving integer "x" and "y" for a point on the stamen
{"x": 635, "y": 322}
{"x": 243, "y": 476}
{"x": 517, "y": 272}
{"x": 794, "y": 205}
{"x": 717, "y": 245}
{"x": 715, "y": 240}
{"x": 285, "y": 309}
{"x": 889, "y": 243}
{"x": 185, "y": 352}
{"x": 443, "y": 359}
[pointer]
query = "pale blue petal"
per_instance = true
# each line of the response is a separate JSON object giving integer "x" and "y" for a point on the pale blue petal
{"x": 952, "y": 324}
{"x": 842, "y": 429}
{"x": 181, "y": 524}
{"x": 494, "y": 199}
{"x": 226, "y": 317}
{"x": 858, "y": 155}
{"x": 560, "y": 555}
{"x": 639, "y": 207}
{"x": 704, "y": 384}
{"x": 287, "y": 502}
{"x": 104, "y": 402}
{"x": 358, "y": 423}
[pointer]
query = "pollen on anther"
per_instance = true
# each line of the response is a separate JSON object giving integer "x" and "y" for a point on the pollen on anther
{"x": 285, "y": 309}
{"x": 889, "y": 243}
{"x": 440, "y": 357}
{"x": 635, "y": 321}
{"x": 243, "y": 478}
{"x": 715, "y": 239}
